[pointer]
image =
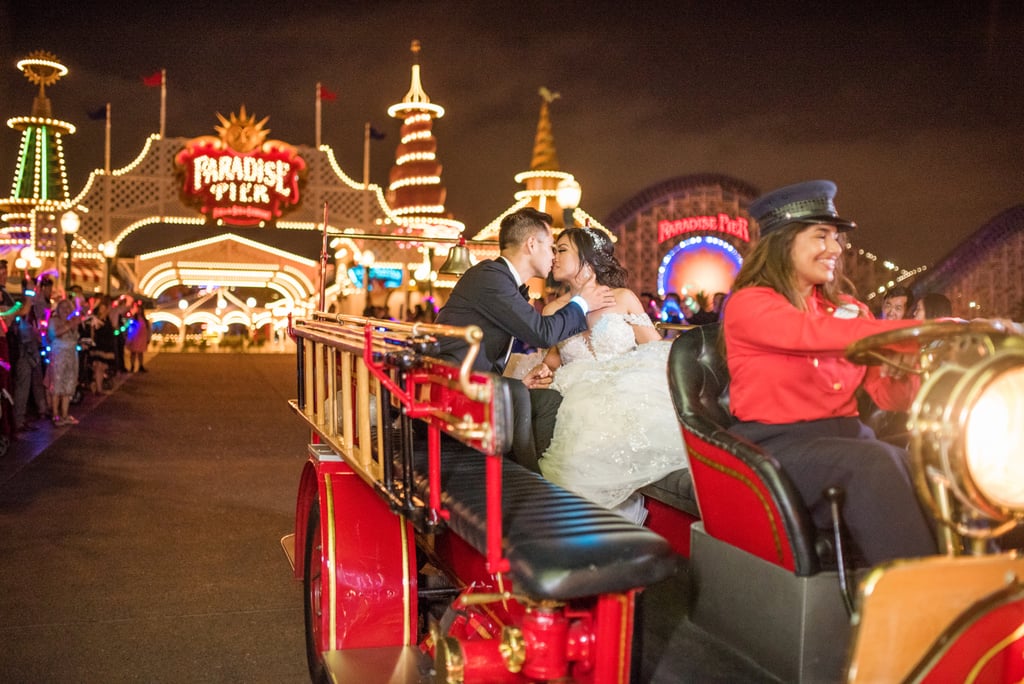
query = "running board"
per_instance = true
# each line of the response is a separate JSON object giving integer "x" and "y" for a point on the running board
{"x": 382, "y": 665}
{"x": 288, "y": 545}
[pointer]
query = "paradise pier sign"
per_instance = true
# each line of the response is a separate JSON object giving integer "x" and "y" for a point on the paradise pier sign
{"x": 722, "y": 223}
{"x": 240, "y": 178}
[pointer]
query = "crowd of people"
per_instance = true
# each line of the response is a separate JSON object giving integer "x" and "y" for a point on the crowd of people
{"x": 55, "y": 347}
{"x": 898, "y": 302}
{"x": 686, "y": 309}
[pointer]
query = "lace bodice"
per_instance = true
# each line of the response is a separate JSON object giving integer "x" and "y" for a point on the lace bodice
{"x": 611, "y": 336}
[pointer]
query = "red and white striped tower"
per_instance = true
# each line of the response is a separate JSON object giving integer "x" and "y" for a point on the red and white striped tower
{"x": 415, "y": 193}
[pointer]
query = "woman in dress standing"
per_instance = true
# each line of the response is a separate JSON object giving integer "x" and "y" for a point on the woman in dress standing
{"x": 139, "y": 333}
{"x": 101, "y": 357}
{"x": 62, "y": 374}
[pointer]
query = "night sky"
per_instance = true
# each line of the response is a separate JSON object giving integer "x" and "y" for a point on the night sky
{"x": 919, "y": 118}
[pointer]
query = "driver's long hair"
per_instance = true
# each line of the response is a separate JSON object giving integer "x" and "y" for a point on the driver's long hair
{"x": 770, "y": 264}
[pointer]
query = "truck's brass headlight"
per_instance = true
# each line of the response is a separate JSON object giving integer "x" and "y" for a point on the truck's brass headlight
{"x": 994, "y": 438}
{"x": 967, "y": 427}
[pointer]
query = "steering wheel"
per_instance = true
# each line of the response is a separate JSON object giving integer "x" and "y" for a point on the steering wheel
{"x": 977, "y": 337}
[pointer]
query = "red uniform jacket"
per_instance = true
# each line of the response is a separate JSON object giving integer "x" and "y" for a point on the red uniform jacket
{"x": 788, "y": 365}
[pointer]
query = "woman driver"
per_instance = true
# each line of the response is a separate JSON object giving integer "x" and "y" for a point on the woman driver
{"x": 786, "y": 327}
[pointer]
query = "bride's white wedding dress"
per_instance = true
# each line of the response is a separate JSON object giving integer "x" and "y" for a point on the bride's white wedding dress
{"x": 616, "y": 429}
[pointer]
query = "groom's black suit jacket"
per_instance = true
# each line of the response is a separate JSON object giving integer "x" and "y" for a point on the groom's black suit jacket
{"x": 487, "y": 296}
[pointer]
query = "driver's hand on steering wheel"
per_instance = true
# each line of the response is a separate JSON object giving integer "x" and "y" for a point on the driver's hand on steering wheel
{"x": 1005, "y": 323}
{"x": 896, "y": 365}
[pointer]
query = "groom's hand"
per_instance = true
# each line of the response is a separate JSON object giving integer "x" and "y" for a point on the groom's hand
{"x": 539, "y": 377}
{"x": 597, "y": 296}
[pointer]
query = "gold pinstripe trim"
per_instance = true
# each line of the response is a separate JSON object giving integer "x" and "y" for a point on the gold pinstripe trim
{"x": 625, "y": 619}
{"x": 752, "y": 487}
{"x": 332, "y": 588}
{"x": 972, "y": 676}
{"x": 406, "y": 596}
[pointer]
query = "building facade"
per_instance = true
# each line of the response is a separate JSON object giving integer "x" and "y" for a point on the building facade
{"x": 686, "y": 235}
{"x": 984, "y": 276}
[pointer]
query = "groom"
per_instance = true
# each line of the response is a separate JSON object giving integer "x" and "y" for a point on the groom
{"x": 492, "y": 295}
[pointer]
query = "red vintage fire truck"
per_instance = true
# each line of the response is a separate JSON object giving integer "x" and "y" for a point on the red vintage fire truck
{"x": 427, "y": 556}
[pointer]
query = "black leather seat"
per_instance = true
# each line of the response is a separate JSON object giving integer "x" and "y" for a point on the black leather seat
{"x": 745, "y": 498}
{"x": 675, "y": 490}
{"x": 559, "y": 545}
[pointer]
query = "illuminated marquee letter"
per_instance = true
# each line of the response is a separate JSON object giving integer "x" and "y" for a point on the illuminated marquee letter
{"x": 722, "y": 223}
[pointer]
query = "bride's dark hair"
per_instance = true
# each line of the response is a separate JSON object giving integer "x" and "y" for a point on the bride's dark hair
{"x": 596, "y": 249}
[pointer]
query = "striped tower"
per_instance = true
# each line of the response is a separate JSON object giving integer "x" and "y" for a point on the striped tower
{"x": 40, "y": 177}
{"x": 416, "y": 194}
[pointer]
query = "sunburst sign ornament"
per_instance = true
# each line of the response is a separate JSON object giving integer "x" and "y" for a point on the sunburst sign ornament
{"x": 42, "y": 68}
{"x": 241, "y": 177}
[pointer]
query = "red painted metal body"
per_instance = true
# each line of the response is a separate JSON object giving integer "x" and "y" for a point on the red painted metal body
{"x": 736, "y": 505}
{"x": 672, "y": 524}
{"x": 369, "y": 592}
{"x": 988, "y": 648}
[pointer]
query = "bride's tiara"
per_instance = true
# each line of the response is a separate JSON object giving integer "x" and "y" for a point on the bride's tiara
{"x": 599, "y": 240}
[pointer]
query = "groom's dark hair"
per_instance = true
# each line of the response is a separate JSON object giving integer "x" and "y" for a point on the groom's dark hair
{"x": 520, "y": 225}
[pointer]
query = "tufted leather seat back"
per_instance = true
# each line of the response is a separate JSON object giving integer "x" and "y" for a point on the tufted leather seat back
{"x": 745, "y": 498}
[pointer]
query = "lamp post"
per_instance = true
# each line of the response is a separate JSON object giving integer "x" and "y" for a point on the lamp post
{"x": 366, "y": 260}
{"x": 21, "y": 263}
{"x": 28, "y": 261}
{"x": 109, "y": 252}
{"x": 567, "y": 194}
{"x": 69, "y": 224}
{"x": 424, "y": 273}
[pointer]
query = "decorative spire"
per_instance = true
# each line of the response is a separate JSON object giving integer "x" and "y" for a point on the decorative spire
{"x": 42, "y": 68}
{"x": 545, "y": 157}
{"x": 40, "y": 177}
{"x": 416, "y": 93}
{"x": 415, "y": 192}
{"x": 542, "y": 181}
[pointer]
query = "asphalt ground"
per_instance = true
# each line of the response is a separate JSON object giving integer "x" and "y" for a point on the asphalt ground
{"x": 143, "y": 545}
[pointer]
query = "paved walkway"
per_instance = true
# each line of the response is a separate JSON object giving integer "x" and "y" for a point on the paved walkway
{"x": 143, "y": 544}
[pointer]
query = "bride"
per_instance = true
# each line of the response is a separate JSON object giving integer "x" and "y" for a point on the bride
{"x": 616, "y": 430}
